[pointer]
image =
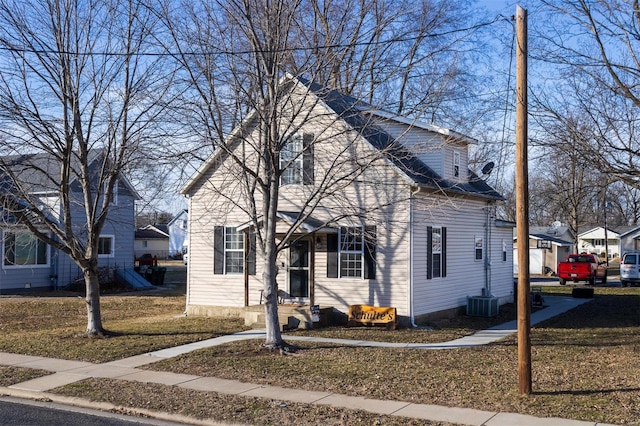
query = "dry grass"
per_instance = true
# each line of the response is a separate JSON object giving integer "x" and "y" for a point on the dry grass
{"x": 12, "y": 375}
{"x": 585, "y": 366}
{"x": 585, "y": 362}
{"x": 54, "y": 327}
{"x": 228, "y": 408}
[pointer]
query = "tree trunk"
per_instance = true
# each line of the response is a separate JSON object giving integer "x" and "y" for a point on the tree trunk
{"x": 272, "y": 323}
{"x": 94, "y": 316}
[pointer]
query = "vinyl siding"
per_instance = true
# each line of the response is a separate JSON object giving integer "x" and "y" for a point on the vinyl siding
{"x": 216, "y": 199}
{"x": 464, "y": 219}
{"x": 119, "y": 224}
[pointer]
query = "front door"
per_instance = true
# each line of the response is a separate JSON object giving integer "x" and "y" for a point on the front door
{"x": 299, "y": 269}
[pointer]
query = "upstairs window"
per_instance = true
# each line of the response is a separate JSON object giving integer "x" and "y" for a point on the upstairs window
{"x": 106, "y": 246}
{"x": 296, "y": 160}
{"x": 24, "y": 249}
{"x": 456, "y": 164}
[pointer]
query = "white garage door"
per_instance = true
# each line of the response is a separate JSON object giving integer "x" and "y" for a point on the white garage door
{"x": 535, "y": 261}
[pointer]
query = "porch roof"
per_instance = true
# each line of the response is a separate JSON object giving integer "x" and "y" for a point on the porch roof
{"x": 308, "y": 224}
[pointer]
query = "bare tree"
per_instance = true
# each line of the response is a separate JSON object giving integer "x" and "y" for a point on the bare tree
{"x": 78, "y": 102}
{"x": 567, "y": 186}
{"x": 236, "y": 56}
{"x": 592, "y": 48}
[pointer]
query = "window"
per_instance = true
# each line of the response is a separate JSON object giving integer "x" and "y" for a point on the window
{"x": 23, "y": 249}
{"x": 456, "y": 164}
{"x": 230, "y": 253}
{"x": 436, "y": 252}
{"x": 296, "y": 160}
{"x": 145, "y": 243}
{"x": 478, "y": 248}
{"x": 106, "y": 246}
{"x": 504, "y": 251}
{"x": 114, "y": 193}
{"x": 351, "y": 251}
{"x": 233, "y": 251}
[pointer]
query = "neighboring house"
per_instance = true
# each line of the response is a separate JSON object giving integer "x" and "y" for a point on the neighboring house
{"x": 152, "y": 239}
{"x": 178, "y": 234}
{"x": 31, "y": 265}
{"x": 594, "y": 241}
{"x": 630, "y": 240}
{"x": 548, "y": 245}
{"x": 429, "y": 240}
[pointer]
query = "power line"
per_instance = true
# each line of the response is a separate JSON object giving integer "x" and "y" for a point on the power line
{"x": 9, "y": 47}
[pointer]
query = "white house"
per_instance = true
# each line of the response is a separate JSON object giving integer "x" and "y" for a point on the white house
{"x": 178, "y": 236}
{"x": 153, "y": 240}
{"x": 424, "y": 236}
{"x": 595, "y": 241}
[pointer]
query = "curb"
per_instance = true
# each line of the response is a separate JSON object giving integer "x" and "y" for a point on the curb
{"x": 107, "y": 407}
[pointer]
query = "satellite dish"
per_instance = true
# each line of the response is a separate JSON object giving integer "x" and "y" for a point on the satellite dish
{"x": 488, "y": 168}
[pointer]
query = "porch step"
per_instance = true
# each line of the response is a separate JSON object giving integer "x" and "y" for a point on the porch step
{"x": 287, "y": 322}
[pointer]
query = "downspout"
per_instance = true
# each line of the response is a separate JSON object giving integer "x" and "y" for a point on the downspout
{"x": 487, "y": 260}
{"x": 411, "y": 268}
{"x": 188, "y": 286}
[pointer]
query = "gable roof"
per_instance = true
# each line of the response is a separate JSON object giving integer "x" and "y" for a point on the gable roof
{"x": 178, "y": 217}
{"x": 150, "y": 232}
{"x": 553, "y": 240}
{"x": 35, "y": 171}
{"x": 358, "y": 115}
{"x": 631, "y": 230}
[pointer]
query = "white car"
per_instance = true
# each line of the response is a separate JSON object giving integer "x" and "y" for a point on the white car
{"x": 630, "y": 268}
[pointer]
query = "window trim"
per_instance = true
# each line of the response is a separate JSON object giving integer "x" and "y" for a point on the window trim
{"x": 112, "y": 253}
{"x": 233, "y": 250}
{"x": 47, "y": 263}
{"x": 504, "y": 251}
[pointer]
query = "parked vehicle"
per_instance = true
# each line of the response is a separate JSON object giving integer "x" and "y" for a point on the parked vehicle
{"x": 582, "y": 267}
{"x": 630, "y": 268}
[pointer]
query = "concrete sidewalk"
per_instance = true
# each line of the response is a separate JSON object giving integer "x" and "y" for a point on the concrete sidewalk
{"x": 67, "y": 372}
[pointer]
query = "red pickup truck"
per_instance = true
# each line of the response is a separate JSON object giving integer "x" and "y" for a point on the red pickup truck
{"x": 582, "y": 267}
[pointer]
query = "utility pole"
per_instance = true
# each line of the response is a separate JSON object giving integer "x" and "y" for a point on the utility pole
{"x": 522, "y": 206}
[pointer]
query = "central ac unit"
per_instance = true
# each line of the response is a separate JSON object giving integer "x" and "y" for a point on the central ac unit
{"x": 480, "y": 306}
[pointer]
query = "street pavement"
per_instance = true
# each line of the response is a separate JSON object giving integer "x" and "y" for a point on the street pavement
{"x": 65, "y": 372}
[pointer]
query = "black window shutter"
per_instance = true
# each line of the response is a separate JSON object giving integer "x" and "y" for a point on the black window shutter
{"x": 251, "y": 254}
{"x": 218, "y": 250}
{"x": 370, "y": 242}
{"x": 429, "y": 252}
{"x": 332, "y": 255}
{"x": 307, "y": 159}
{"x": 444, "y": 252}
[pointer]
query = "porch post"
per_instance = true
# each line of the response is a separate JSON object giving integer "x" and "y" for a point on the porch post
{"x": 312, "y": 262}
{"x": 245, "y": 270}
